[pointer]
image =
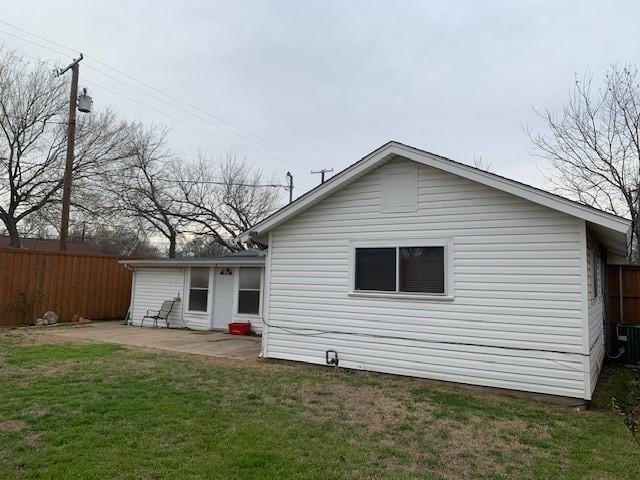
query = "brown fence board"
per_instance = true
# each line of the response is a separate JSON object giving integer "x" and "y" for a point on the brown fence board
{"x": 630, "y": 275}
{"x": 630, "y": 294}
{"x": 32, "y": 282}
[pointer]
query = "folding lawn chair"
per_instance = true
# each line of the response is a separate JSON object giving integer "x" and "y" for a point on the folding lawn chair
{"x": 162, "y": 314}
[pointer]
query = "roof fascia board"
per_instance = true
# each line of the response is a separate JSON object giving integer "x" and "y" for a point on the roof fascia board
{"x": 333, "y": 184}
{"x": 491, "y": 180}
{"x": 515, "y": 188}
{"x": 177, "y": 263}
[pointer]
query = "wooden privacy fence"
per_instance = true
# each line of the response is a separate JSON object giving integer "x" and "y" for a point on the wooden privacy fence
{"x": 32, "y": 282}
{"x": 624, "y": 303}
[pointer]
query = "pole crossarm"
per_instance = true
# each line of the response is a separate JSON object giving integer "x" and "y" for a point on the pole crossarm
{"x": 76, "y": 61}
{"x": 322, "y": 173}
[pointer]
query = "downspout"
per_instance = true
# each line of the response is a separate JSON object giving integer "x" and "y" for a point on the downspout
{"x": 266, "y": 291}
{"x": 129, "y": 319}
{"x": 604, "y": 278}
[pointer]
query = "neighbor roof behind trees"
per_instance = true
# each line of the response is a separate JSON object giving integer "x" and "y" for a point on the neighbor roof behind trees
{"x": 51, "y": 245}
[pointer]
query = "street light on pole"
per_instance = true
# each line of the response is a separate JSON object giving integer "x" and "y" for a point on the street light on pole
{"x": 83, "y": 103}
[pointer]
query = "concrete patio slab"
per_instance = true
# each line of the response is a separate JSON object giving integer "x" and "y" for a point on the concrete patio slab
{"x": 211, "y": 344}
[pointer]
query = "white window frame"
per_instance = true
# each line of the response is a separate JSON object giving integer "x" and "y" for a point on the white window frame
{"x": 448, "y": 245}
{"x": 236, "y": 289}
{"x": 209, "y": 290}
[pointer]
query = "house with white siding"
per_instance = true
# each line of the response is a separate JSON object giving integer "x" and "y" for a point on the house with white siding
{"x": 413, "y": 264}
{"x": 209, "y": 293}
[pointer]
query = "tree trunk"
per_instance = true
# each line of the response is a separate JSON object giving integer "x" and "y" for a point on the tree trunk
{"x": 172, "y": 245}
{"x": 12, "y": 229}
{"x": 634, "y": 254}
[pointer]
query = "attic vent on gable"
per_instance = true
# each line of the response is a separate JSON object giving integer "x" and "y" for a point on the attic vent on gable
{"x": 400, "y": 190}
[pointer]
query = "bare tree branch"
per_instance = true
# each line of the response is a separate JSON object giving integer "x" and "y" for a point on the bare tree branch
{"x": 230, "y": 198}
{"x": 141, "y": 187}
{"x": 593, "y": 144}
{"x": 33, "y": 102}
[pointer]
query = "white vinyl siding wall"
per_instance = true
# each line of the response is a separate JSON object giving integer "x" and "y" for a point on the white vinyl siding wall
{"x": 152, "y": 286}
{"x": 516, "y": 319}
{"x": 595, "y": 310}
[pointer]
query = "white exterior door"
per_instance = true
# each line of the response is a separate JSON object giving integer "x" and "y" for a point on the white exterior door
{"x": 222, "y": 297}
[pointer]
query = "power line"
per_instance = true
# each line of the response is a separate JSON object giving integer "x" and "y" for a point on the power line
{"x": 43, "y": 60}
{"x": 38, "y": 36}
{"x": 148, "y": 106}
{"x": 190, "y": 125}
{"x": 48, "y": 60}
{"x": 206, "y": 182}
{"x": 172, "y": 117}
{"x": 18, "y": 117}
{"x": 141, "y": 103}
{"x": 31, "y": 42}
{"x": 256, "y": 138}
{"x": 177, "y": 180}
{"x": 164, "y": 113}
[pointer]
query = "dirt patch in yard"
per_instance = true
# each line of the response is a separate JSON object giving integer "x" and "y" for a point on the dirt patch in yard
{"x": 479, "y": 447}
{"x": 12, "y": 425}
{"x": 38, "y": 336}
{"x": 367, "y": 407}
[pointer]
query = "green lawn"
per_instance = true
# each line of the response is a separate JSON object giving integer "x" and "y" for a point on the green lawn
{"x": 99, "y": 411}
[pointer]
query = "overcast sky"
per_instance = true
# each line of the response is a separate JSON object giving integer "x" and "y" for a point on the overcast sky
{"x": 317, "y": 84}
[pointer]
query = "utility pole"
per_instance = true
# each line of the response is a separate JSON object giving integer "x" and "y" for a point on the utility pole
{"x": 71, "y": 140}
{"x": 290, "y": 188}
{"x": 322, "y": 172}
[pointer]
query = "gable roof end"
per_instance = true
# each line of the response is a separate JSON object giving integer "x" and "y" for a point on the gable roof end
{"x": 392, "y": 149}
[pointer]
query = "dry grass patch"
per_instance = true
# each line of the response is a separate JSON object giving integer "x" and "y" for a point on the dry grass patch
{"x": 12, "y": 425}
{"x": 370, "y": 408}
{"x": 478, "y": 448}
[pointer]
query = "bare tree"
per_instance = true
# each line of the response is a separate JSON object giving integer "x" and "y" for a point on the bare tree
{"x": 245, "y": 196}
{"x": 594, "y": 146}
{"x": 33, "y": 143}
{"x": 227, "y": 199}
{"x": 117, "y": 240}
{"x": 481, "y": 164}
{"x": 30, "y": 101}
{"x": 143, "y": 186}
{"x": 201, "y": 246}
